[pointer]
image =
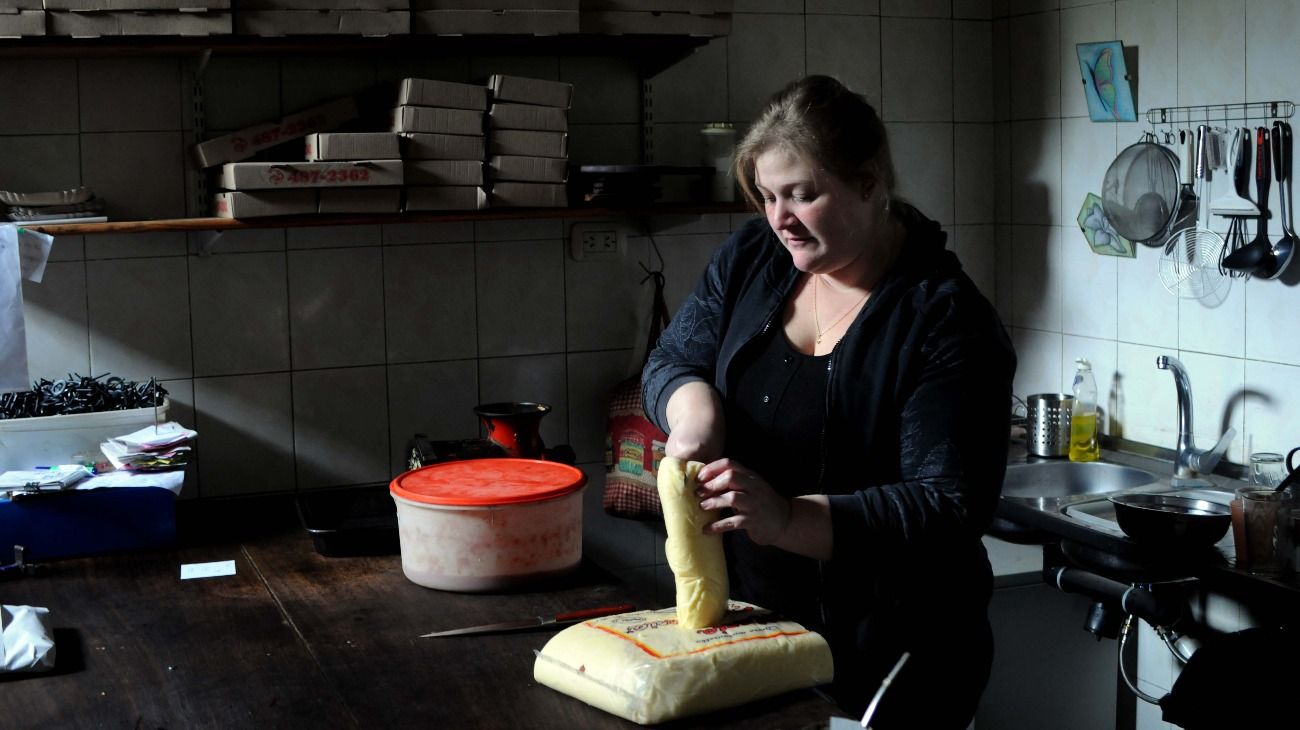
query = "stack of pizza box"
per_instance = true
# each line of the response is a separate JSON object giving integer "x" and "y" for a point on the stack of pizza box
{"x": 441, "y": 125}
{"x": 528, "y": 150}
{"x": 323, "y": 17}
{"x": 93, "y": 18}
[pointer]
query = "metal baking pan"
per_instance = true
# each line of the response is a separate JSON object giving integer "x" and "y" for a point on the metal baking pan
{"x": 351, "y": 522}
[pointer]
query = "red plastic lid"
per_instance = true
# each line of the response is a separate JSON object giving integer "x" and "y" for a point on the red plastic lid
{"x": 488, "y": 482}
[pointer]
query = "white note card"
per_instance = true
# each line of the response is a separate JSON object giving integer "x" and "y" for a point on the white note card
{"x": 207, "y": 570}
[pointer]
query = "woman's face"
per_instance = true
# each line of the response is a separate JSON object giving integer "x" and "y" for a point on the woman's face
{"x": 823, "y": 222}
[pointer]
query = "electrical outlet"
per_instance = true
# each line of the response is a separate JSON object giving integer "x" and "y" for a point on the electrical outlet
{"x": 596, "y": 241}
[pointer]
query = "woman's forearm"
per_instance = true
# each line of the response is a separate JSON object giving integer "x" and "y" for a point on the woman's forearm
{"x": 808, "y": 531}
{"x": 696, "y": 426}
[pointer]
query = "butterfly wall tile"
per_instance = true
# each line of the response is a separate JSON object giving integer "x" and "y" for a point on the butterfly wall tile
{"x": 1101, "y": 236}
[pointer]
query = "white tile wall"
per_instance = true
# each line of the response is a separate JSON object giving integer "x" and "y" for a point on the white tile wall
{"x": 429, "y": 302}
{"x": 764, "y": 53}
{"x": 250, "y": 416}
{"x": 40, "y": 162}
{"x": 43, "y": 85}
{"x": 923, "y": 162}
{"x": 336, "y": 301}
{"x": 240, "y": 313}
{"x": 340, "y": 427}
{"x": 129, "y": 94}
{"x": 835, "y": 48}
{"x": 917, "y": 74}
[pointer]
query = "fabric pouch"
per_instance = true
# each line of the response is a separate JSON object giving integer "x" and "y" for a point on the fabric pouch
{"x": 26, "y": 643}
{"x": 634, "y": 445}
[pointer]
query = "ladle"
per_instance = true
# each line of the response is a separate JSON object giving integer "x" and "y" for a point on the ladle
{"x": 1284, "y": 249}
{"x": 1257, "y": 255}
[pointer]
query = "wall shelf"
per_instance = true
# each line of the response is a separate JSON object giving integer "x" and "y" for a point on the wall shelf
{"x": 650, "y": 52}
{"x": 302, "y": 221}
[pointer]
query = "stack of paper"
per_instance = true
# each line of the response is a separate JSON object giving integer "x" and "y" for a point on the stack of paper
{"x": 52, "y": 479}
{"x": 152, "y": 448}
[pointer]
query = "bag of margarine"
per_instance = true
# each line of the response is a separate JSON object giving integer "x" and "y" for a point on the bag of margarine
{"x": 645, "y": 668}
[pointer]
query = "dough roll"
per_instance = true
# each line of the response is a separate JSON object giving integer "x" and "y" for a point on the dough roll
{"x": 697, "y": 561}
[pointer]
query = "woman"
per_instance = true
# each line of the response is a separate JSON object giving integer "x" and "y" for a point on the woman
{"x": 848, "y": 387}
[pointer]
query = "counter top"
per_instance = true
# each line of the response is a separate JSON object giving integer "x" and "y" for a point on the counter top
{"x": 297, "y": 639}
{"x": 1123, "y": 559}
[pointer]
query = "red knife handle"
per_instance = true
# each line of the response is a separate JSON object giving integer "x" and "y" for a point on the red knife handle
{"x": 594, "y": 612}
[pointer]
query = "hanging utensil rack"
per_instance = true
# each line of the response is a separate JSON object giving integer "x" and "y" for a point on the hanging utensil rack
{"x": 1182, "y": 116}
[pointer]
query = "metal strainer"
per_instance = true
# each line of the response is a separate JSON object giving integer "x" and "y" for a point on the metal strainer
{"x": 1140, "y": 192}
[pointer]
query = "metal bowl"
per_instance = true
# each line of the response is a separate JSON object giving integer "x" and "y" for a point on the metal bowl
{"x": 1168, "y": 520}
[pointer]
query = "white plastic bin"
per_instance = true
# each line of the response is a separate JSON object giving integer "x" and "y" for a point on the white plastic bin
{"x": 49, "y": 440}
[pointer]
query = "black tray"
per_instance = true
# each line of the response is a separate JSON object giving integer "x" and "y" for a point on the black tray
{"x": 349, "y": 522}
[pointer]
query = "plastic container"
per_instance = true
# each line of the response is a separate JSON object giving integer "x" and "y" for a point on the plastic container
{"x": 1084, "y": 445}
{"x": 29, "y": 442}
{"x": 717, "y": 150}
{"x": 489, "y": 524}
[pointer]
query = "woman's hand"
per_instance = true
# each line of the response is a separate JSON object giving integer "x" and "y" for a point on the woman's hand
{"x": 755, "y": 506}
{"x": 696, "y": 425}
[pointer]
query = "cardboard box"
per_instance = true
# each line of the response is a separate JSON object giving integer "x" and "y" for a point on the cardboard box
{"x": 698, "y": 7}
{"x": 360, "y": 200}
{"x": 444, "y": 197}
{"x": 249, "y": 141}
{"x": 420, "y": 146}
{"x": 324, "y": 4}
{"x": 436, "y": 120}
{"x": 280, "y": 175}
{"x": 260, "y": 204}
{"x": 22, "y": 23}
{"x": 528, "y": 143}
{"x": 12, "y": 6}
{"x": 444, "y": 172}
{"x": 528, "y": 116}
{"x": 529, "y": 195}
{"x": 137, "y": 5}
{"x": 323, "y": 22}
{"x": 569, "y": 5}
{"x": 529, "y": 169}
{"x": 616, "y": 22}
{"x": 494, "y": 22}
{"x": 352, "y": 146}
{"x": 94, "y": 24}
{"x": 446, "y": 94}
{"x": 530, "y": 91}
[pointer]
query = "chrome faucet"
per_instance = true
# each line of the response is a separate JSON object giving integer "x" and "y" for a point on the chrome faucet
{"x": 1189, "y": 460}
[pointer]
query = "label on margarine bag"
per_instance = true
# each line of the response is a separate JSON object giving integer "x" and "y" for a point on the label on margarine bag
{"x": 644, "y": 667}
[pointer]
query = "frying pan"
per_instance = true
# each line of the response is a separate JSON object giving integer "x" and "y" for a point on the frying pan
{"x": 1171, "y": 521}
{"x": 1140, "y": 192}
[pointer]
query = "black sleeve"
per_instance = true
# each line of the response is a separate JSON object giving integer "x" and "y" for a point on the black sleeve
{"x": 953, "y": 443}
{"x": 688, "y": 348}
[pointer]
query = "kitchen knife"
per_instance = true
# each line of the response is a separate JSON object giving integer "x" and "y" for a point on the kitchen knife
{"x": 536, "y": 622}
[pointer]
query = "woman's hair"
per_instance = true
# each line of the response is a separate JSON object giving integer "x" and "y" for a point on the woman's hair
{"x": 827, "y": 125}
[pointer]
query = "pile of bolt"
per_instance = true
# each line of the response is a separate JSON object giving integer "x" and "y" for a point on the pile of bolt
{"x": 80, "y": 394}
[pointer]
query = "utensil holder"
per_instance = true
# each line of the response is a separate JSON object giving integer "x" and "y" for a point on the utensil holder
{"x": 1048, "y": 424}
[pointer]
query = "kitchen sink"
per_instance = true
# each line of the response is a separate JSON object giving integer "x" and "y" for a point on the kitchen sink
{"x": 1047, "y": 485}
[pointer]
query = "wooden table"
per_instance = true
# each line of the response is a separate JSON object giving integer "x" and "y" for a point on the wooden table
{"x": 297, "y": 639}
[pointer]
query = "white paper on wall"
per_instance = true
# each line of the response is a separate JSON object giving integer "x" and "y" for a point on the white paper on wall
{"x": 22, "y": 256}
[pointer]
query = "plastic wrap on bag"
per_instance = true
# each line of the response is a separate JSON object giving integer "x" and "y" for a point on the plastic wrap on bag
{"x": 644, "y": 667}
{"x": 26, "y": 643}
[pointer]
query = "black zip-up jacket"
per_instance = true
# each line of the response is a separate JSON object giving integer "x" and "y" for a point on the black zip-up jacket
{"x": 915, "y": 443}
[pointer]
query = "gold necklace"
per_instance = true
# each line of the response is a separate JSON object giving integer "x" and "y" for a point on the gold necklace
{"x": 816, "y": 320}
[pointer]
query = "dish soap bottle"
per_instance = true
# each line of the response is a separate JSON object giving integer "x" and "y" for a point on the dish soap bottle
{"x": 1083, "y": 415}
